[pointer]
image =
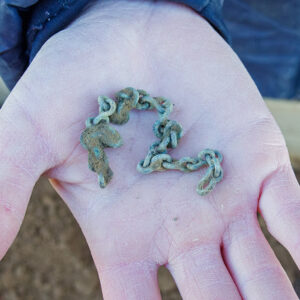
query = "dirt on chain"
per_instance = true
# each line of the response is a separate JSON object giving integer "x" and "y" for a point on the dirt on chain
{"x": 50, "y": 258}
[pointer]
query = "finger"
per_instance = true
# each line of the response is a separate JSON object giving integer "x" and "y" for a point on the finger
{"x": 130, "y": 281}
{"x": 23, "y": 159}
{"x": 280, "y": 207}
{"x": 201, "y": 274}
{"x": 253, "y": 265}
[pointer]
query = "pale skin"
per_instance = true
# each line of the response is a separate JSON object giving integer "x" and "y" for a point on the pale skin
{"x": 212, "y": 245}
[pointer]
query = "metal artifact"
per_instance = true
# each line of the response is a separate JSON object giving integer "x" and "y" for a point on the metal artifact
{"x": 99, "y": 135}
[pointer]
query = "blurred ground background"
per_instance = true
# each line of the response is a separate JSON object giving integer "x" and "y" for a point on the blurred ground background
{"x": 50, "y": 258}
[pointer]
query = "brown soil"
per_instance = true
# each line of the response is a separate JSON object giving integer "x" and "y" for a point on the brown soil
{"x": 50, "y": 258}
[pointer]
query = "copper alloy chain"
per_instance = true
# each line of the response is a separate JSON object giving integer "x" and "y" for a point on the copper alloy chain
{"x": 99, "y": 135}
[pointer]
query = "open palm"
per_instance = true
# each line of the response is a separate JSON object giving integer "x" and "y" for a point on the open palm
{"x": 212, "y": 245}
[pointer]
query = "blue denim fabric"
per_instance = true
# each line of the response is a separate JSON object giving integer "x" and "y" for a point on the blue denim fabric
{"x": 25, "y": 25}
{"x": 12, "y": 63}
{"x": 266, "y": 36}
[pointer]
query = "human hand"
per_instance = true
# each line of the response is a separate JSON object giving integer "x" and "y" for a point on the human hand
{"x": 212, "y": 245}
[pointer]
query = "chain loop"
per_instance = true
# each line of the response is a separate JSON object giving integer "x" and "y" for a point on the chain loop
{"x": 164, "y": 107}
{"x": 155, "y": 164}
{"x": 153, "y": 150}
{"x": 214, "y": 173}
{"x": 208, "y": 182}
{"x": 145, "y": 101}
{"x": 99, "y": 135}
{"x": 107, "y": 107}
{"x": 181, "y": 164}
{"x": 169, "y": 131}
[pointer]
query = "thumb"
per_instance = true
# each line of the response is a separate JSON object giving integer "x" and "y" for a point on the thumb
{"x": 24, "y": 157}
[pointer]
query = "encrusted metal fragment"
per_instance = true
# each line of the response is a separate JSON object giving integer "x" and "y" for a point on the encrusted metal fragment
{"x": 95, "y": 138}
{"x": 126, "y": 101}
{"x": 99, "y": 135}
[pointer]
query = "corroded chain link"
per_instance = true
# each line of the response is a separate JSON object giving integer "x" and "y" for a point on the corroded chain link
{"x": 99, "y": 135}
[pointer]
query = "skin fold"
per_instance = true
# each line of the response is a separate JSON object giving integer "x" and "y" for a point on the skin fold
{"x": 212, "y": 245}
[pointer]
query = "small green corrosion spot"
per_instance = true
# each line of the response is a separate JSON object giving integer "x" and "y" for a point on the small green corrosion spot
{"x": 97, "y": 152}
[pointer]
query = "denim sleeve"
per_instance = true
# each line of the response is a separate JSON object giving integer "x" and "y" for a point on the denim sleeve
{"x": 25, "y": 25}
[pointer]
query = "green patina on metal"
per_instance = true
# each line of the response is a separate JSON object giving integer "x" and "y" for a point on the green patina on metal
{"x": 99, "y": 135}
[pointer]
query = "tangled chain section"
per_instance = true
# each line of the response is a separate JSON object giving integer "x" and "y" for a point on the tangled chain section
{"x": 99, "y": 135}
